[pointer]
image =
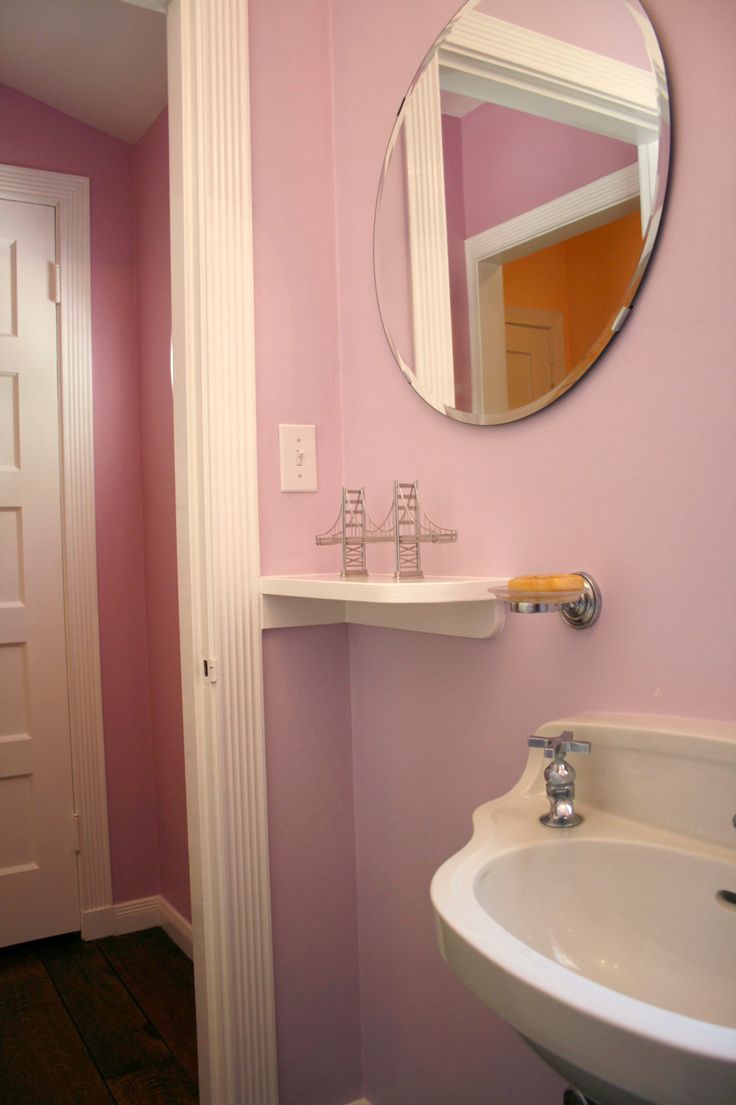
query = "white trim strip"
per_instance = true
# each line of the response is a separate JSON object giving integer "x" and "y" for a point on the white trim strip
{"x": 430, "y": 285}
{"x": 217, "y": 541}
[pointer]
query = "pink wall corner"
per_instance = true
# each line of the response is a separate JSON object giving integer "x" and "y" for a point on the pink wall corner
{"x": 309, "y": 752}
{"x": 36, "y": 136}
{"x": 628, "y": 476}
{"x": 295, "y": 270}
{"x": 541, "y": 161}
{"x": 151, "y": 163}
{"x": 312, "y": 847}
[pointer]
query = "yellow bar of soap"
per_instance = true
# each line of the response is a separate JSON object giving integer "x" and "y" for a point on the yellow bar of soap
{"x": 547, "y": 583}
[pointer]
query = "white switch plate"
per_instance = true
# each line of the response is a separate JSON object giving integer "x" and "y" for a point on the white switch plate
{"x": 298, "y": 452}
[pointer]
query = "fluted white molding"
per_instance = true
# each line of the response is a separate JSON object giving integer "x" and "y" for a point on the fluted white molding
{"x": 217, "y": 518}
{"x": 430, "y": 284}
{"x": 497, "y": 61}
{"x": 70, "y": 196}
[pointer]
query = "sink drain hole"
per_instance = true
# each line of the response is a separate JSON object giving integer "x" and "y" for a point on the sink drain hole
{"x": 726, "y": 898}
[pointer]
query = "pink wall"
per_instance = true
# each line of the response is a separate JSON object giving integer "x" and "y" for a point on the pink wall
{"x": 153, "y": 274}
{"x": 312, "y": 847}
{"x": 37, "y": 137}
{"x": 621, "y": 477}
{"x": 540, "y": 161}
{"x": 309, "y": 754}
{"x": 134, "y": 483}
{"x": 626, "y": 476}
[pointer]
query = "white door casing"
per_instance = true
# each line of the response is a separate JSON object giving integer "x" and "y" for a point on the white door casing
{"x": 38, "y": 866}
{"x": 218, "y": 548}
{"x": 69, "y": 196}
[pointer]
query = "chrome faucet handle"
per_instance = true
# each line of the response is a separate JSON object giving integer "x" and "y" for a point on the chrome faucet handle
{"x": 559, "y": 746}
{"x": 559, "y": 778}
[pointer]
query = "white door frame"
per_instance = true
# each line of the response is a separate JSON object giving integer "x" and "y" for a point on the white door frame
{"x": 608, "y": 198}
{"x": 218, "y": 548}
{"x": 70, "y": 196}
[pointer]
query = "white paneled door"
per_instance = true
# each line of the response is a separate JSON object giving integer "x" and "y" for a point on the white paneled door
{"x": 38, "y": 864}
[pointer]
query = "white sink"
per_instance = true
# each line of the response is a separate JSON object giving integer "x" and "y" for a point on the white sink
{"x": 610, "y": 946}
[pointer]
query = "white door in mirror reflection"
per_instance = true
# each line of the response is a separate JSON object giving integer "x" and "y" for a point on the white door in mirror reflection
{"x": 535, "y": 354}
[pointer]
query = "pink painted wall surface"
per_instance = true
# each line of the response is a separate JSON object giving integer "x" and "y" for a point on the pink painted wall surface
{"x": 153, "y": 272}
{"x": 312, "y": 847}
{"x": 630, "y": 476}
{"x": 513, "y": 162}
{"x": 296, "y": 335}
{"x": 38, "y": 137}
{"x": 309, "y": 754}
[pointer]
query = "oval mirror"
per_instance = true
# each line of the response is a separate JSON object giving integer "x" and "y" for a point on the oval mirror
{"x": 519, "y": 202}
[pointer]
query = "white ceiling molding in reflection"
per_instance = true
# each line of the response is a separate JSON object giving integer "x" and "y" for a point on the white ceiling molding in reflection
{"x": 501, "y": 63}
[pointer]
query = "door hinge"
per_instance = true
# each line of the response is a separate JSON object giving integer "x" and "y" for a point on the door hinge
{"x": 56, "y": 283}
{"x": 75, "y": 833}
{"x": 209, "y": 667}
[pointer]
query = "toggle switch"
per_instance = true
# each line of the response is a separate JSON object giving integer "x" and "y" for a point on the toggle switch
{"x": 298, "y": 453}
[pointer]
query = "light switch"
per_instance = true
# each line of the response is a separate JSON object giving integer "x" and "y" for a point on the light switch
{"x": 298, "y": 451}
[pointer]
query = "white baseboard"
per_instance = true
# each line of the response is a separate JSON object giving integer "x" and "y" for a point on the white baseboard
{"x": 96, "y": 923}
{"x": 176, "y": 926}
{"x": 363, "y": 1101}
{"x": 133, "y": 916}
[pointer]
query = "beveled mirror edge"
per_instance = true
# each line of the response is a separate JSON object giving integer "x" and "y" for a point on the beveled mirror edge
{"x": 614, "y": 324}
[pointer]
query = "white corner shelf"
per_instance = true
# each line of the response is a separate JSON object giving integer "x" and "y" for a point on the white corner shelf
{"x": 454, "y": 606}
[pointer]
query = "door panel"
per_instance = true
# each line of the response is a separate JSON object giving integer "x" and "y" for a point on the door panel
{"x": 38, "y": 868}
{"x": 535, "y": 354}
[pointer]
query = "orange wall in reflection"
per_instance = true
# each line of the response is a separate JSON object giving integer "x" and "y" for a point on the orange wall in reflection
{"x": 584, "y": 277}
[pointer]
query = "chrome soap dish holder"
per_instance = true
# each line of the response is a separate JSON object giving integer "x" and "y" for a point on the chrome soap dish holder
{"x": 579, "y": 609}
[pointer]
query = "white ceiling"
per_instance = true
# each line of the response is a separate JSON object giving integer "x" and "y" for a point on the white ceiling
{"x": 102, "y": 61}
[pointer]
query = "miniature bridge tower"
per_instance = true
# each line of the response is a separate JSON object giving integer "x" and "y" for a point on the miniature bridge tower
{"x": 407, "y": 525}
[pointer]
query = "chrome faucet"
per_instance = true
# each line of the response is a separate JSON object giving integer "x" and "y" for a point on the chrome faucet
{"x": 560, "y": 778}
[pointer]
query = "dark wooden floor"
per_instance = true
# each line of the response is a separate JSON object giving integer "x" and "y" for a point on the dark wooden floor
{"x": 93, "y": 1023}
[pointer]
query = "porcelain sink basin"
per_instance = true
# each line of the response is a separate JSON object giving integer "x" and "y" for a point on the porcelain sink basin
{"x": 611, "y": 946}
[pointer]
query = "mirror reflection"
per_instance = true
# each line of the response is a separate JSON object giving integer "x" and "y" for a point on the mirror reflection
{"x": 520, "y": 199}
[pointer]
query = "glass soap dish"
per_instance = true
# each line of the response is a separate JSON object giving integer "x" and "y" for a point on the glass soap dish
{"x": 579, "y": 608}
